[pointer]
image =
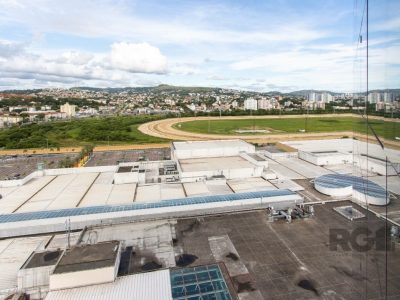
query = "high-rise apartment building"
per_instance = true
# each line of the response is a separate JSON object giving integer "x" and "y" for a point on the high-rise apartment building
{"x": 69, "y": 109}
{"x": 250, "y": 103}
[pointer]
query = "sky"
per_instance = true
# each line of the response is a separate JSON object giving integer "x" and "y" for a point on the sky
{"x": 270, "y": 45}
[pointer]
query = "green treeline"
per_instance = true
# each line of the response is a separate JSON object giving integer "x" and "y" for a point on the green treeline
{"x": 78, "y": 132}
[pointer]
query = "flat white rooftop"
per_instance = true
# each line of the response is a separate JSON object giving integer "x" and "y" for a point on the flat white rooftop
{"x": 146, "y": 237}
{"x": 302, "y": 167}
{"x": 287, "y": 184}
{"x": 282, "y": 171}
{"x": 250, "y": 184}
{"x": 213, "y": 148}
{"x": 158, "y": 192}
{"x": 190, "y": 145}
{"x": 214, "y": 163}
{"x": 345, "y": 146}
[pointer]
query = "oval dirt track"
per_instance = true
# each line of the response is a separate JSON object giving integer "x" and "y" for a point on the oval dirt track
{"x": 164, "y": 129}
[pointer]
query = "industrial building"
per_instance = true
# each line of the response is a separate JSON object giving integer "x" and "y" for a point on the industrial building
{"x": 363, "y": 156}
{"x": 184, "y": 225}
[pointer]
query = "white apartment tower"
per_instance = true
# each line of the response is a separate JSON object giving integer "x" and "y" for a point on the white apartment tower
{"x": 326, "y": 97}
{"x": 312, "y": 97}
{"x": 264, "y": 104}
{"x": 374, "y": 97}
{"x": 250, "y": 103}
{"x": 387, "y": 97}
{"x": 68, "y": 109}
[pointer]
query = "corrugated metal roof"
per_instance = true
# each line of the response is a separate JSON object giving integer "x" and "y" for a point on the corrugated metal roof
{"x": 144, "y": 286}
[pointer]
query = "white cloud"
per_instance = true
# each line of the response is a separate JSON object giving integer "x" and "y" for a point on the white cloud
{"x": 187, "y": 43}
{"x": 74, "y": 58}
{"x": 315, "y": 58}
{"x": 9, "y": 49}
{"x": 87, "y": 19}
{"x": 392, "y": 24}
{"x": 138, "y": 58}
{"x": 75, "y": 67}
{"x": 184, "y": 69}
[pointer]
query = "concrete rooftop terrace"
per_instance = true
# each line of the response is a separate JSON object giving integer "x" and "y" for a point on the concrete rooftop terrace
{"x": 190, "y": 145}
{"x": 294, "y": 261}
{"x": 214, "y": 163}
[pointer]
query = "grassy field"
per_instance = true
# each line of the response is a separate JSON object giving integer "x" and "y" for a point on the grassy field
{"x": 78, "y": 132}
{"x": 388, "y": 130}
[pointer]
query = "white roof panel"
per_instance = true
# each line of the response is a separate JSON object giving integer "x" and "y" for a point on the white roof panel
{"x": 172, "y": 191}
{"x": 148, "y": 193}
{"x": 16, "y": 198}
{"x": 284, "y": 183}
{"x": 302, "y": 167}
{"x": 282, "y": 171}
{"x": 97, "y": 195}
{"x": 54, "y": 188}
{"x": 4, "y": 191}
{"x": 14, "y": 254}
{"x": 150, "y": 286}
{"x": 74, "y": 192}
{"x": 105, "y": 178}
{"x": 34, "y": 206}
{"x": 158, "y": 192}
{"x": 189, "y": 145}
{"x": 214, "y": 163}
{"x": 196, "y": 189}
{"x": 341, "y": 168}
{"x": 252, "y": 184}
{"x": 218, "y": 187}
{"x": 122, "y": 193}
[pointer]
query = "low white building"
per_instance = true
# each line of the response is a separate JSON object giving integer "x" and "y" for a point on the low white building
{"x": 85, "y": 265}
{"x": 199, "y": 160}
{"x": 6, "y": 120}
{"x": 213, "y": 148}
{"x": 326, "y": 158}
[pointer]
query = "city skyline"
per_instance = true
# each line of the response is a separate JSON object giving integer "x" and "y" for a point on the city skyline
{"x": 281, "y": 46}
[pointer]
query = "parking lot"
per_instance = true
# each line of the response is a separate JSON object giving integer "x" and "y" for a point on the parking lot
{"x": 19, "y": 166}
{"x": 109, "y": 158}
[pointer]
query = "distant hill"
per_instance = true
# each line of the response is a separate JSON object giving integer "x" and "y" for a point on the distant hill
{"x": 395, "y": 92}
{"x": 193, "y": 89}
{"x": 159, "y": 88}
{"x": 304, "y": 93}
{"x": 27, "y": 91}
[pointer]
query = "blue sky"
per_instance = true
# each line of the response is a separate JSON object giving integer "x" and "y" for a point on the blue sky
{"x": 244, "y": 44}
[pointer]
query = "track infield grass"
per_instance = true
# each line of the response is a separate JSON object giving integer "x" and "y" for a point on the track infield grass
{"x": 386, "y": 129}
